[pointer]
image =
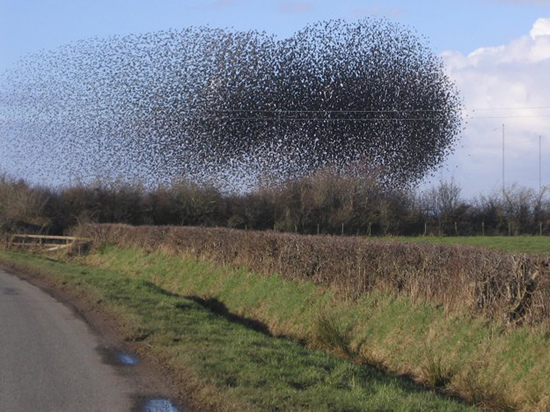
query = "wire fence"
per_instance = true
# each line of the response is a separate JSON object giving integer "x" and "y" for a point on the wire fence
{"x": 425, "y": 228}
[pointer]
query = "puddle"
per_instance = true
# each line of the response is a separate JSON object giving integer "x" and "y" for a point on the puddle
{"x": 114, "y": 357}
{"x": 127, "y": 359}
{"x": 9, "y": 291}
{"x": 159, "y": 405}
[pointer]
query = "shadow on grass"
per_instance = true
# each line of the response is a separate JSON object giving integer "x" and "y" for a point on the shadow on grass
{"x": 219, "y": 308}
{"x": 366, "y": 370}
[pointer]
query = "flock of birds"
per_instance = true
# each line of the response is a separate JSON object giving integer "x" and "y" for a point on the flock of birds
{"x": 230, "y": 106}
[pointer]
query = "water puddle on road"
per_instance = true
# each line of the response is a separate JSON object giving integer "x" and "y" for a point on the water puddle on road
{"x": 159, "y": 405}
{"x": 114, "y": 357}
{"x": 127, "y": 359}
{"x": 122, "y": 361}
{"x": 9, "y": 291}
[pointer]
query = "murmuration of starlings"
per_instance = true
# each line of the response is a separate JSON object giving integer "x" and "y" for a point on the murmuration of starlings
{"x": 233, "y": 106}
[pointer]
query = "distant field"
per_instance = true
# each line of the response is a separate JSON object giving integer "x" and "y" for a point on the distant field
{"x": 515, "y": 244}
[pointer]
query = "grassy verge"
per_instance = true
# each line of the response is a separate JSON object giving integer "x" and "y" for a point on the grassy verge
{"x": 200, "y": 321}
{"x": 494, "y": 367}
{"x": 514, "y": 244}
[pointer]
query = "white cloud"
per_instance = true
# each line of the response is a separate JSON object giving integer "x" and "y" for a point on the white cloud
{"x": 506, "y": 84}
{"x": 540, "y": 28}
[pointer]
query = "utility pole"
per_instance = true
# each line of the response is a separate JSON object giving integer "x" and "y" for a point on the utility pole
{"x": 503, "y": 184}
{"x": 540, "y": 184}
{"x": 540, "y": 164}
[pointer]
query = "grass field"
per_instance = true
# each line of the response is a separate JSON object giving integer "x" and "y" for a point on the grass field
{"x": 193, "y": 318}
{"x": 484, "y": 360}
{"x": 514, "y": 244}
{"x": 488, "y": 365}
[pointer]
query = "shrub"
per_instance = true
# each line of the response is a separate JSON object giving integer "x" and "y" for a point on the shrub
{"x": 512, "y": 288}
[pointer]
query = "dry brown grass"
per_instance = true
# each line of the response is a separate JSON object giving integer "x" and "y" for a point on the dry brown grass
{"x": 513, "y": 289}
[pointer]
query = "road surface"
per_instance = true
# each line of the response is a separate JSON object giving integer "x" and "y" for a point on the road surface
{"x": 51, "y": 361}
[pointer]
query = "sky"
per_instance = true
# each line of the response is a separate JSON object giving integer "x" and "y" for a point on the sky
{"x": 496, "y": 51}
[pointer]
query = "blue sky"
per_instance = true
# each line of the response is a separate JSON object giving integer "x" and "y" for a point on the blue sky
{"x": 496, "y": 51}
{"x": 463, "y": 25}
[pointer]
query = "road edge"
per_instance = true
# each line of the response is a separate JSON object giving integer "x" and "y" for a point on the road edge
{"x": 103, "y": 324}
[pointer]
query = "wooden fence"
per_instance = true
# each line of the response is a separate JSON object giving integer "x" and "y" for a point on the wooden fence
{"x": 47, "y": 243}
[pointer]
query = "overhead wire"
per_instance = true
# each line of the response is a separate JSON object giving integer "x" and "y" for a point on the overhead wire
{"x": 277, "y": 114}
{"x": 283, "y": 114}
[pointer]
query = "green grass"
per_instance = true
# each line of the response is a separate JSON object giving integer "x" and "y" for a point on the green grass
{"x": 483, "y": 362}
{"x": 514, "y": 244}
{"x": 231, "y": 366}
{"x": 470, "y": 356}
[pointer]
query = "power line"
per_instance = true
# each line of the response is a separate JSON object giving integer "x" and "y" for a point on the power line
{"x": 373, "y": 111}
{"x": 510, "y": 108}
{"x": 378, "y": 111}
{"x": 286, "y": 114}
{"x": 324, "y": 111}
{"x": 509, "y": 117}
{"x": 322, "y": 119}
{"x": 354, "y": 119}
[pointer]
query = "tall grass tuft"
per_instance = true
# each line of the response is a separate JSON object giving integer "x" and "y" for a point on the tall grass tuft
{"x": 491, "y": 394}
{"x": 435, "y": 372}
{"x": 331, "y": 335}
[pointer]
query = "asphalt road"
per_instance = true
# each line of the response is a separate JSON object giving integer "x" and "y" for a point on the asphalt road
{"x": 50, "y": 359}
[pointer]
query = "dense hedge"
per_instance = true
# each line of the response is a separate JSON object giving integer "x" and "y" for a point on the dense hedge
{"x": 507, "y": 287}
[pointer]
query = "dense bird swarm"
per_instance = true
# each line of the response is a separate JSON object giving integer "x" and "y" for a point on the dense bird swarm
{"x": 232, "y": 106}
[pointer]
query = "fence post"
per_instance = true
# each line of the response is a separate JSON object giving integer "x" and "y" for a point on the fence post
{"x": 509, "y": 229}
{"x": 456, "y": 228}
{"x": 318, "y": 230}
{"x": 425, "y": 227}
{"x": 369, "y": 229}
{"x": 483, "y": 228}
{"x": 540, "y": 228}
{"x": 342, "y": 229}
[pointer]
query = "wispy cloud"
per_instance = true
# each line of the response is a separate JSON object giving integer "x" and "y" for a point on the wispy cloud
{"x": 505, "y": 84}
{"x": 294, "y": 7}
{"x": 523, "y": 1}
{"x": 378, "y": 10}
{"x": 220, "y": 4}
